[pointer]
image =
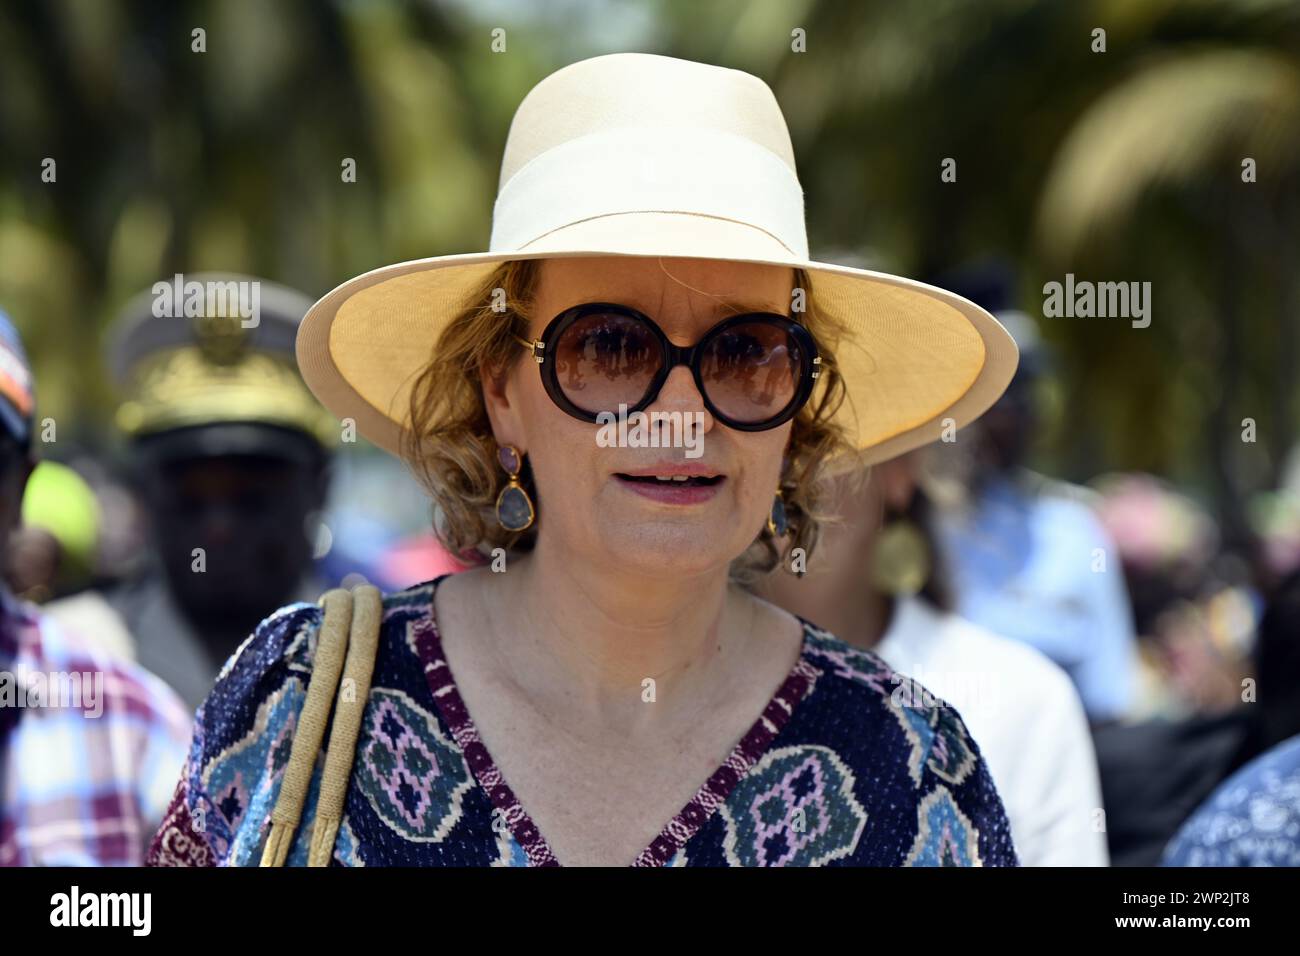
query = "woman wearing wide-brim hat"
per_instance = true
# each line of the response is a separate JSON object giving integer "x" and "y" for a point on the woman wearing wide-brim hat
{"x": 604, "y": 689}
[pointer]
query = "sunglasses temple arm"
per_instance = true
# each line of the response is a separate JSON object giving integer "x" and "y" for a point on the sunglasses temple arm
{"x": 534, "y": 347}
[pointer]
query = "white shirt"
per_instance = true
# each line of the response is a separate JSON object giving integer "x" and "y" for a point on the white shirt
{"x": 1027, "y": 720}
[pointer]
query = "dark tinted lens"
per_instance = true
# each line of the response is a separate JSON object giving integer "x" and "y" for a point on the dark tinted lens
{"x": 751, "y": 371}
{"x": 605, "y": 359}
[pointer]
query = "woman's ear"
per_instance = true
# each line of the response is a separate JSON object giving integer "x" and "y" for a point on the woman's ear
{"x": 502, "y": 411}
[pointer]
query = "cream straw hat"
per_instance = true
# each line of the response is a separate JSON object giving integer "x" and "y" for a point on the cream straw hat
{"x": 643, "y": 155}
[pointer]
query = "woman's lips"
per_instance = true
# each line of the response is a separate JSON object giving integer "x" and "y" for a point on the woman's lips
{"x": 672, "y": 492}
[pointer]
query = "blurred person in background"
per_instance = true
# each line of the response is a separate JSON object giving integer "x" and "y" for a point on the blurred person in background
{"x": 229, "y": 455}
{"x": 1253, "y": 817}
{"x": 1274, "y": 517}
{"x": 1157, "y": 772}
{"x": 89, "y": 745}
{"x": 1194, "y": 626}
{"x": 1023, "y": 548}
{"x": 53, "y": 551}
{"x": 878, "y": 582}
{"x": 60, "y": 550}
{"x": 1274, "y": 709}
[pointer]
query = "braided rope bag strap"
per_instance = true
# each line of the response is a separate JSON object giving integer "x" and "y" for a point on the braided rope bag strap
{"x": 350, "y": 706}
{"x": 345, "y": 647}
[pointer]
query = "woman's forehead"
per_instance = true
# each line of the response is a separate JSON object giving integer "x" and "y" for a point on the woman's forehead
{"x": 705, "y": 288}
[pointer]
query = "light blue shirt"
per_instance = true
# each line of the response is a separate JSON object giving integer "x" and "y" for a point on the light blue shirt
{"x": 1031, "y": 562}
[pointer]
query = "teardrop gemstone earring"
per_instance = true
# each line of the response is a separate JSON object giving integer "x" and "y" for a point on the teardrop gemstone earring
{"x": 515, "y": 511}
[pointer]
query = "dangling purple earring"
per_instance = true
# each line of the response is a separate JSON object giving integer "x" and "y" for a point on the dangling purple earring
{"x": 515, "y": 510}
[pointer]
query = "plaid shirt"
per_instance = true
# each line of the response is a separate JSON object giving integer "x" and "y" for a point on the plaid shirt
{"x": 90, "y": 747}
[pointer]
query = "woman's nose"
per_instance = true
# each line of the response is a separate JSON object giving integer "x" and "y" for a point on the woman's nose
{"x": 679, "y": 394}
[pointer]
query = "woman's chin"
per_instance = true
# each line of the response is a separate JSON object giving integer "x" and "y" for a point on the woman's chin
{"x": 671, "y": 548}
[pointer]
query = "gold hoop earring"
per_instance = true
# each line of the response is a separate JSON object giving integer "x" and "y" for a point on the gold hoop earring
{"x": 901, "y": 564}
{"x": 515, "y": 511}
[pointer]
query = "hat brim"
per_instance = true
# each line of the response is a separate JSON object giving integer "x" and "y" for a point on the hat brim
{"x": 917, "y": 363}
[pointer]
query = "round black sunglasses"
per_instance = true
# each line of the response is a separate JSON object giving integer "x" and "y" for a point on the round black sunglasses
{"x": 754, "y": 371}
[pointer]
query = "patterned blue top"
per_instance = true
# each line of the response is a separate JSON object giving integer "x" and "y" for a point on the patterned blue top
{"x": 1252, "y": 819}
{"x": 832, "y": 772}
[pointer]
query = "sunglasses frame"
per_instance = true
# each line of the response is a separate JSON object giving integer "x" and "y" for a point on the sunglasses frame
{"x": 673, "y": 356}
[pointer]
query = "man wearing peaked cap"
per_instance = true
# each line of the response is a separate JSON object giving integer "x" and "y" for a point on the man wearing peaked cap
{"x": 220, "y": 378}
{"x": 230, "y": 456}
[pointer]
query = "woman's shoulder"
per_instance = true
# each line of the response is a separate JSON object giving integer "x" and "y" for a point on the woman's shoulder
{"x": 284, "y": 644}
{"x": 912, "y": 746}
{"x": 868, "y": 700}
{"x": 851, "y": 669}
{"x": 245, "y": 727}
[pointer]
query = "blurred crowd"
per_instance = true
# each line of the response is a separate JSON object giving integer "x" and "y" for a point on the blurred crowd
{"x": 1161, "y": 660}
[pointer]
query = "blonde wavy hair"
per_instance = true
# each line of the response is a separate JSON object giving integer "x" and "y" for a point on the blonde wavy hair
{"x": 450, "y": 448}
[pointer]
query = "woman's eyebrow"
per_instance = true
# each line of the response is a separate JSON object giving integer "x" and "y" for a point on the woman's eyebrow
{"x": 720, "y": 306}
{"x": 741, "y": 306}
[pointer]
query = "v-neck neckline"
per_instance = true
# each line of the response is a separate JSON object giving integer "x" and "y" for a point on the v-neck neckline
{"x": 687, "y": 822}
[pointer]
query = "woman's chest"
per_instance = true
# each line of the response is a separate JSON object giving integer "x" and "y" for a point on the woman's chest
{"x": 431, "y": 786}
{"x": 601, "y": 799}
{"x": 426, "y": 792}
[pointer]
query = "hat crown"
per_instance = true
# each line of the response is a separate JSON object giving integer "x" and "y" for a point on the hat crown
{"x": 630, "y": 133}
{"x": 643, "y": 90}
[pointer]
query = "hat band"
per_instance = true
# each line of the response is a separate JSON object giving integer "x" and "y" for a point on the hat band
{"x": 702, "y": 172}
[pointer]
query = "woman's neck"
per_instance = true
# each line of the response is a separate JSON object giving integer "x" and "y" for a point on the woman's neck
{"x": 588, "y": 640}
{"x": 839, "y": 598}
{"x": 838, "y": 593}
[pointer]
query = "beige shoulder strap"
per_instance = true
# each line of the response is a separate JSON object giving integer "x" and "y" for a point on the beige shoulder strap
{"x": 354, "y": 692}
{"x": 345, "y": 646}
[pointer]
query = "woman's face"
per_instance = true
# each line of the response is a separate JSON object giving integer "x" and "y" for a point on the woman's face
{"x": 589, "y": 504}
